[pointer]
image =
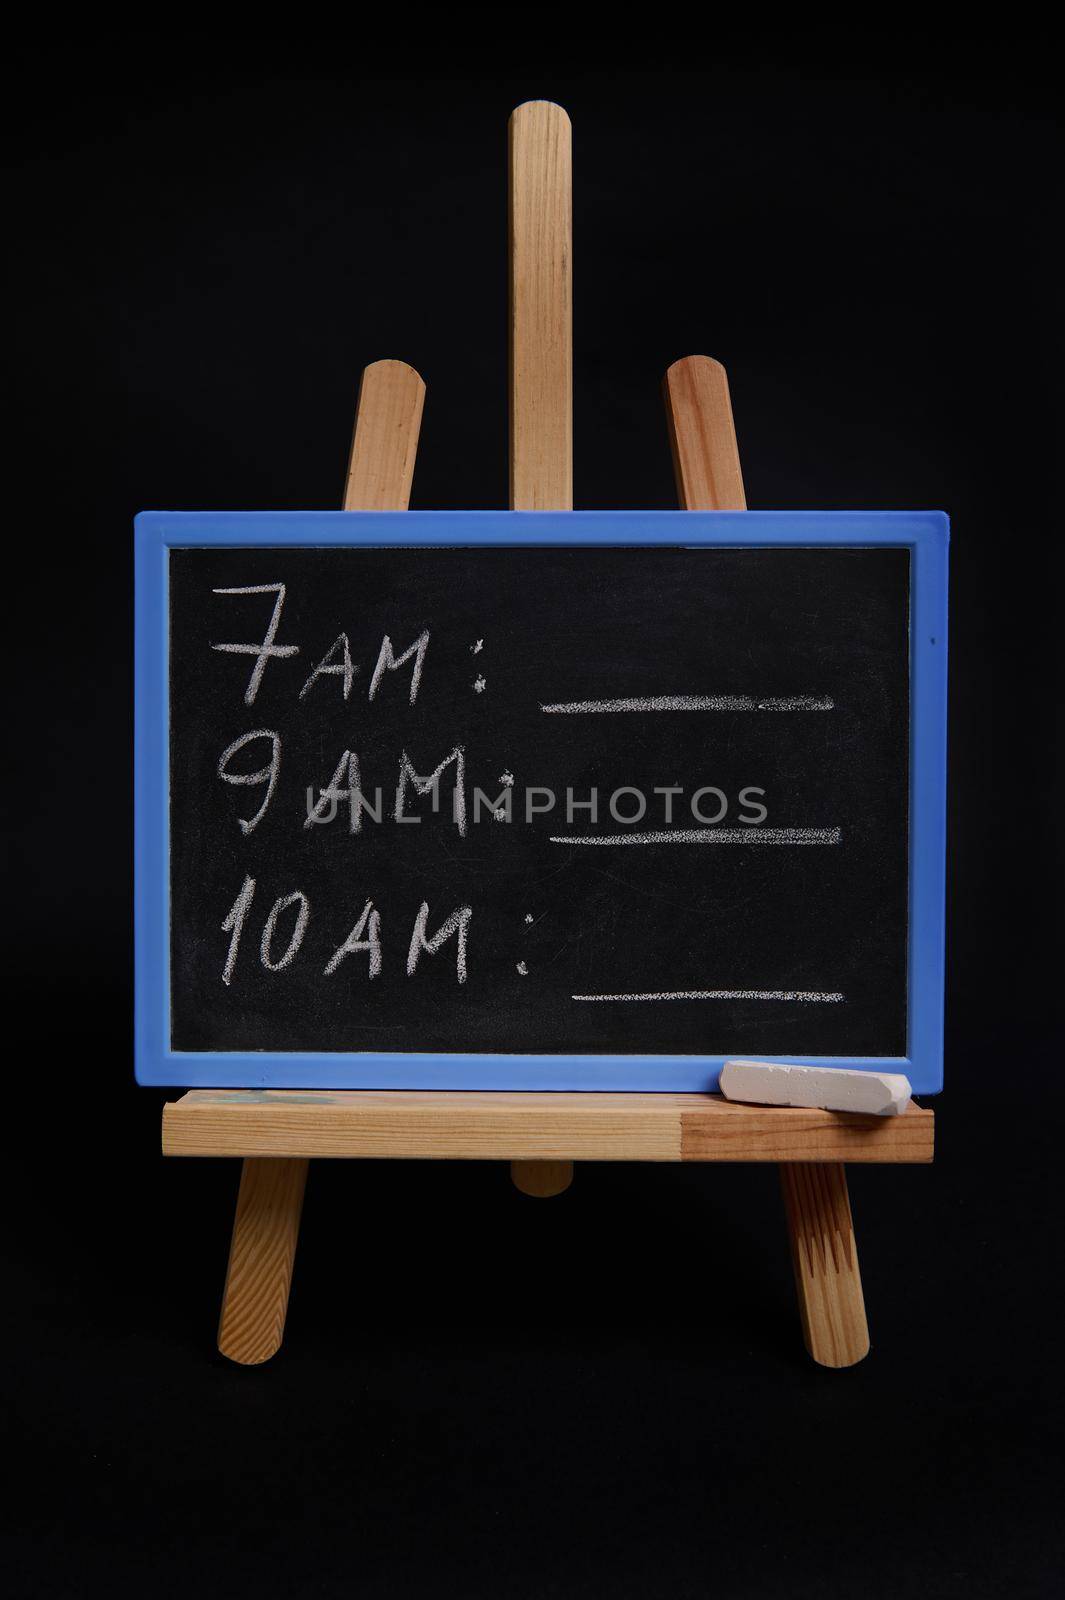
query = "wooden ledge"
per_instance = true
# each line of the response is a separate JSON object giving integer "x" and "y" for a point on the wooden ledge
{"x": 419, "y": 1125}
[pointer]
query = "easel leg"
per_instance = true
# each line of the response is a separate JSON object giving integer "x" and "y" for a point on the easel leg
{"x": 707, "y": 463}
{"x": 541, "y": 1178}
{"x": 825, "y": 1257}
{"x": 383, "y": 449}
{"x": 541, "y": 370}
{"x": 265, "y": 1230}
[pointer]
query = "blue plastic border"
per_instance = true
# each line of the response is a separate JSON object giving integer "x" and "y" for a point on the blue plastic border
{"x": 924, "y": 533}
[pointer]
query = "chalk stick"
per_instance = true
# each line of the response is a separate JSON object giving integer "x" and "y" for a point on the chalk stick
{"x": 774, "y": 1083}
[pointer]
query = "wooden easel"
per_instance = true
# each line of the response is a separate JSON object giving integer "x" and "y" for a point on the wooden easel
{"x": 541, "y": 1135}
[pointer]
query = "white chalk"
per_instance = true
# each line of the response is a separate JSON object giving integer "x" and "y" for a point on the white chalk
{"x": 695, "y": 702}
{"x": 774, "y": 1083}
{"x": 753, "y": 834}
{"x": 717, "y": 994}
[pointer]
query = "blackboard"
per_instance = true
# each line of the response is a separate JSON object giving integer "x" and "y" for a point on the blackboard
{"x": 560, "y": 801}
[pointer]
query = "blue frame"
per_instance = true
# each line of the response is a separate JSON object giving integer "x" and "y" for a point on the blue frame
{"x": 923, "y": 533}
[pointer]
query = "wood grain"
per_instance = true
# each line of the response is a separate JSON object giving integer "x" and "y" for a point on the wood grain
{"x": 702, "y": 436}
{"x": 388, "y": 420}
{"x": 706, "y": 460}
{"x": 540, "y": 256}
{"x": 541, "y": 309}
{"x": 825, "y": 1258}
{"x": 534, "y": 1128}
{"x": 263, "y": 1249}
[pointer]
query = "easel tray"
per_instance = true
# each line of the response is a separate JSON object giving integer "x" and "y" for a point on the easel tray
{"x": 423, "y": 1126}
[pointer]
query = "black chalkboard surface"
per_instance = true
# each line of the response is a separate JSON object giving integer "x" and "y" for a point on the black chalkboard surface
{"x": 453, "y": 803}
{"x": 822, "y": 633}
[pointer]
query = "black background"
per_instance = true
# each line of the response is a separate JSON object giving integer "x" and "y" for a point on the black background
{"x": 555, "y": 625}
{"x": 604, "y": 1393}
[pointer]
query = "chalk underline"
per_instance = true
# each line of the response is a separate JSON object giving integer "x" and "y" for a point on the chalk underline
{"x": 755, "y": 834}
{"x": 695, "y": 702}
{"x": 806, "y": 996}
